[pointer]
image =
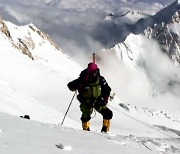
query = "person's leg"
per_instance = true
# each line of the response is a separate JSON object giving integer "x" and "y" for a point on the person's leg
{"x": 107, "y": 116}
{"x": 86, "y": 116}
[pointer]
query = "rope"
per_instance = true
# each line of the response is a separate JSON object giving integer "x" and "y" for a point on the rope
{"x": 141, "y": 122}
{"x": 94, "y": 113}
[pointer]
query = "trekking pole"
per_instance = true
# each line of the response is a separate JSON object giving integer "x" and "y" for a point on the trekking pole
{"x": 68, "y": 107}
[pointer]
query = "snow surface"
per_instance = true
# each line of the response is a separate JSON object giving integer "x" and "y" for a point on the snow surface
{"x": 20, "y": 136}
{"x": 39, "y": 88}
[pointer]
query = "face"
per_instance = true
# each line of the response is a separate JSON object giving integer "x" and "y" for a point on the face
{"x": 93, "y": 75}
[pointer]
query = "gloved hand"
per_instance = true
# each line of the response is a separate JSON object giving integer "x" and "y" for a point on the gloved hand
{"x": 71, "y": 86}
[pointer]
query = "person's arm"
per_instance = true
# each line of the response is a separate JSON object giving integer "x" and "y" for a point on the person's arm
{"x": 105, "y": 87}
{"x": 73, "y": 85}
{"x": 105, "y": 90}
{"x": 77, "y": 83}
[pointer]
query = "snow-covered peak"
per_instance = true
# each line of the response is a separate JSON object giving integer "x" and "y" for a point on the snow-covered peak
{"x": 165, "y": 15}
{"x": 167, "y": 33}
{"x": 162, "y": 26}
{"x": 27, "y": 38}
{"x": 3, "y": 28}
{"x": 176, "y": 17}
{"x": 27, "y": 59}
{"x": 139, "y": 52}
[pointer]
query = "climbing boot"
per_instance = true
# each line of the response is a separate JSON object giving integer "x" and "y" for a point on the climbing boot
{"x": 86, "y": 126}
{"x": 106, "y": 125}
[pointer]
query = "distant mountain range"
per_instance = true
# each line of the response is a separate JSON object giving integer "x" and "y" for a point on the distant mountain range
{"x": 158, "y": 27}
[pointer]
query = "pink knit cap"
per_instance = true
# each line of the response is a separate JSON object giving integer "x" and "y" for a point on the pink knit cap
{"x": 92, "y": 67}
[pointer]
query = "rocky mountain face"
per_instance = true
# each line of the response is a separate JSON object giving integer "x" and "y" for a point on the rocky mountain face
{"x": 4, "y": 28}
{"x": 157, "y": 27}
{"x": 25, "y": 43}
{"x": 168, "y": 39}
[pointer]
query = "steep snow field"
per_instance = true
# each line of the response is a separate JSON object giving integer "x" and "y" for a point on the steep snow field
{"x": 38, "y": 88}
{"x": 147, "y": 122}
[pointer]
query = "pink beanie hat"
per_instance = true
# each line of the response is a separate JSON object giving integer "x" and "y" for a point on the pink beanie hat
{"x": 92, "y": 67}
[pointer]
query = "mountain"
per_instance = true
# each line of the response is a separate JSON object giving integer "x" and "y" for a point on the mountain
{"x": 27, "y": 58}
{"x": 33, "y": 81}
{"x": 167, "y": 36}
{"x": 79, "y": 23}
{"x": 25, "y": 42}
{"x": 162, "y": 32}
{"x": 162, "y": 27}
{"x": 125, "y": 24}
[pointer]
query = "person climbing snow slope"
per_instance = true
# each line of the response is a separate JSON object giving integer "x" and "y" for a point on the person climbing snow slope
{"x": 93, "y": 93}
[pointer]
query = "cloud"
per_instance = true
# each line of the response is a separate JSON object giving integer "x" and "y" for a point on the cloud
{"x": 76, "y": 20}
{"x": 159, "y": 67}
{"x": 152, "y": 81}
{"x": 175, "y": 28}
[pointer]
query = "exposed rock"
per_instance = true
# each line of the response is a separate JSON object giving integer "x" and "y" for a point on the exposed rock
{"x": 169, "y": 41}
{"x": 4, "y": 28}
{"x": 22, "y": 45}
{"x": 25, "y": 43}
{"x": 44, "y": 36}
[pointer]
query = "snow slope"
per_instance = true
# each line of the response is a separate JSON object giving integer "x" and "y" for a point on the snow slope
{"x": 37, "y": 87}
{"x": 36, "y": 80}
{"x": 20, "y": 136}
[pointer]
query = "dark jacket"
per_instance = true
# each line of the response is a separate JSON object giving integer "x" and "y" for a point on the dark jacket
{"x": 83, "y": 80}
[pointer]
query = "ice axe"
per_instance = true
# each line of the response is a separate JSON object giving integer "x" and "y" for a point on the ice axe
{"x": 94, "y": 58}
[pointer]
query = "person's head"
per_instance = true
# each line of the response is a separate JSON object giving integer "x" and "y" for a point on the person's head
{"x": 93, "y": 71}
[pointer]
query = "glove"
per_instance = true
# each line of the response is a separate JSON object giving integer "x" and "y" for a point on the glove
{"x": 71, "y": 86}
